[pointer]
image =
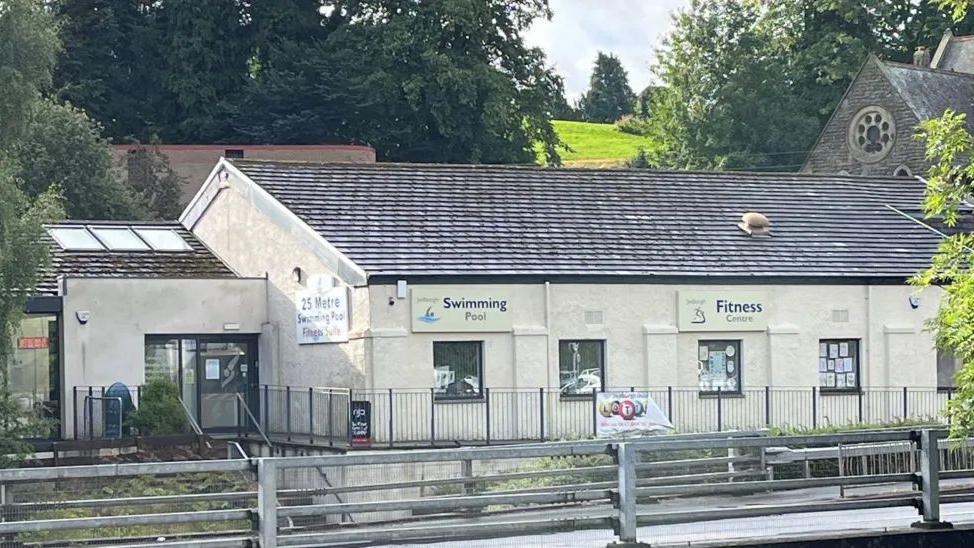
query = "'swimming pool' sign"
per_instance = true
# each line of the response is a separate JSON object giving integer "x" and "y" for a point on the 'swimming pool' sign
{"x": 459, "y": 309}
{"x": 722, "y": 310}
{"x": 322, "y": 315}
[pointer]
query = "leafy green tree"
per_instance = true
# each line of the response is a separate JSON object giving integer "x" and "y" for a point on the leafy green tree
{"x": 609, "y": 96}
{"x": 726, "y": 102}
{"x": 28, "y": 49}
{"x": 432, "y": 81}
{"x": 61, "y": 146}
{"x": 23, "y": 253}
{"x": 749, "y": 84}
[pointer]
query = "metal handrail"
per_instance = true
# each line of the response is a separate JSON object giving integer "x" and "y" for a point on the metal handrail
{"x": 260, "y": 430}
{"x": 189, "y": 417}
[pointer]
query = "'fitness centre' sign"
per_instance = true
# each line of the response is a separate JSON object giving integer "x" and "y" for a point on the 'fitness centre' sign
{"x": 722, "y": 310}
{"x": 455, "y": 309}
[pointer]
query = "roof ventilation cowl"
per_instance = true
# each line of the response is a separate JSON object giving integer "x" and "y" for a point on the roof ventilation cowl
{"x": 755, "y": 224}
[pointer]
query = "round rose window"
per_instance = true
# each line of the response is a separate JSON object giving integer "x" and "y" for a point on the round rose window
{"x": 872, "y": 134}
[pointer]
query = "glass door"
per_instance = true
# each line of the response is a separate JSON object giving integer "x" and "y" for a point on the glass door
{"x": 223, "y": 371}
{"x": 210, "y": 372}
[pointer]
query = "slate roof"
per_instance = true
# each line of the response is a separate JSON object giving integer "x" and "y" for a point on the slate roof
{"x": 199, "y": 262}
{"x": 929, "y": 92}
{"x": 958, "y": 54}
{"x": 401, "y": 220}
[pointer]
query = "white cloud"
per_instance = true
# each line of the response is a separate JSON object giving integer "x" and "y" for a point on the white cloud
{"x": 630, "y": 29}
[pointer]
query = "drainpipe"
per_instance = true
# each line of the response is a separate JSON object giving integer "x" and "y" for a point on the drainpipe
{"x": 547, "y": 327}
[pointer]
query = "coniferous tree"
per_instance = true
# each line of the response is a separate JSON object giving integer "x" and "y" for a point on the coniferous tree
{"x": 154, "y": 181}
{"x": 208, "y": 48}
{"x": 609, "y": 96}
{"x": 112, "y": 63}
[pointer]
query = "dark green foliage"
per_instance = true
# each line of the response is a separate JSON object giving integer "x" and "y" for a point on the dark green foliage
{"x": 749, "y": 85}
{"x": 155, "y": 183}
{"x": 609, "y": 96}
{"x": 437, "y": 82}
{"x": 111, "y": 63}
{"x": 448, "y": 81}
{"x": 640, "y": 160}
{"x": 160, "y": 413}
{"x": 61, "y": 146}
{"x": 207, "y": 49}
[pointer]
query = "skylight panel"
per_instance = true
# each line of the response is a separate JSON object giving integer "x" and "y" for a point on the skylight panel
{"x": 75, "y": 239}
{"x": 163, "y": 239}
{"x": 119, "y": 238}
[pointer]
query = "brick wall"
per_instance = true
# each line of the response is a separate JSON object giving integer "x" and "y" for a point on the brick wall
{"x": 832, "y": 153}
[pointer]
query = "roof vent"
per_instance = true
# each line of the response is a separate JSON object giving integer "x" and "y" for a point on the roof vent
{"x": 755, "y": 224}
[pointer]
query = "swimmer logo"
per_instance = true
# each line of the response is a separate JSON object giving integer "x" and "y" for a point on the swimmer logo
{"x": 429, "y": 316}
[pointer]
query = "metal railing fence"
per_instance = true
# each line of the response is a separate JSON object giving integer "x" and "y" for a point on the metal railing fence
{"x": 418, "y": 417}
{"x": 421, "y": 417}
{"x": 474, "y": 492}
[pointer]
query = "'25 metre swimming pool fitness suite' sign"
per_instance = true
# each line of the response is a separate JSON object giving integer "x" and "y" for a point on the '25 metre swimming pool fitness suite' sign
{"x": 460, "y": 309}
{"x": 722, "y": 310}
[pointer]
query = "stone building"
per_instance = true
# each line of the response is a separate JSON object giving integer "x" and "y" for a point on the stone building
{"x": 871, "y": 131}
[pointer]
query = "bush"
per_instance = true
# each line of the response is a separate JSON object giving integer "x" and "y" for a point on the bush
{"x": 634, "y": 125}
{"x": 160, "y": 412}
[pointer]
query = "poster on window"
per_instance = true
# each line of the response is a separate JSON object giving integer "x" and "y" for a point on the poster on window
{"x": 322, "y": 314}
{"x": 629, "y": 413}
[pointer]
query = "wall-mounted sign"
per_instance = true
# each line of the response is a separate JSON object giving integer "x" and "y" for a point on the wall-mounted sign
{"x": 460, "y": 309}
{"x": 31, "y": 343}
{"x": 629, "y": 413}
{"x": 322, "y": 314}
{"x": 722, "y": 310}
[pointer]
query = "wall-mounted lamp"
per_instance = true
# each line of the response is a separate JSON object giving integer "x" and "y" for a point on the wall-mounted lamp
{"x": 914, "y": 302}
{"x": 83, "y": 316}
{"x": 401, "y": 288}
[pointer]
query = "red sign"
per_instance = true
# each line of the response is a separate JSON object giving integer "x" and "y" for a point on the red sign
{"x": 30, "y": 343}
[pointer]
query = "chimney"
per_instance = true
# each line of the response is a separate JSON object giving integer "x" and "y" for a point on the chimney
{"x": 922, "y": 57}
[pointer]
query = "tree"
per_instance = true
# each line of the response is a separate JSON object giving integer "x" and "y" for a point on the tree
{"x": 154, "y": 181}
{"x": 61, "y": 147}
{"x": 207, "y": 51}
{"x": 609, "y": 96}
{"x": 949, "y": 183}
{"x": 23, "y": 252}
{"x": 28, "y": 48}
{"x": 727, "y": 102}
{"x": 102, "y": 68}
{"x": 749, "y": 84}
{"x": 432, "y": 81}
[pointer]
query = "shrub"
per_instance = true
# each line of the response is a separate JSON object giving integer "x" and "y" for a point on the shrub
{"x": 160, "y": 412}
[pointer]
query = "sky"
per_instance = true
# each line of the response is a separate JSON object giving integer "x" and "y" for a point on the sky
{"x": 631, "y": 29}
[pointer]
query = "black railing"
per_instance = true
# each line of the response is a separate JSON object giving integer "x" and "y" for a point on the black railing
{"x": 418, "y": 417}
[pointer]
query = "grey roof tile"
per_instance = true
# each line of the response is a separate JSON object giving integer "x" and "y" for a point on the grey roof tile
{"x": 930, "y": 92}
{"x": 401, "y": 220}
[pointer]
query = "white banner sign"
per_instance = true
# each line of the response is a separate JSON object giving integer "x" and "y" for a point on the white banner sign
{"x": 322, "y": 315}
{"x": 629, "y": 413}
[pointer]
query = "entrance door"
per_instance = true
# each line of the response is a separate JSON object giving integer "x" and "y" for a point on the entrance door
{"x": 223, "y": 370}
{"x": 211, "y": 370}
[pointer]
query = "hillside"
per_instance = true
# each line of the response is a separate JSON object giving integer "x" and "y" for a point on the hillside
{"x": 598, "y": 145}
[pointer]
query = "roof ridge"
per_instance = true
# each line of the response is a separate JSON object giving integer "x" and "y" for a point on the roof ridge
{"x": 379, "y": 166}
{"x": 897, "y": 64}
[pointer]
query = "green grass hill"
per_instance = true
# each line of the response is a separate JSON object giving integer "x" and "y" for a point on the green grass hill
{"x": 598, "y": 145}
